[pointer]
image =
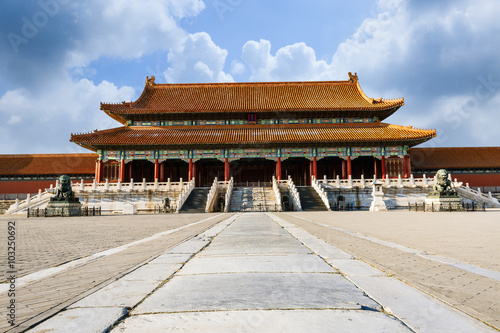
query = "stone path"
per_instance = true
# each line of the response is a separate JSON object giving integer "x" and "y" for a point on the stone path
{"x": 47, "y": 242}
{"x": 256, "y": 272}
{"x": 46, "y": 296}
{"x": 472, "y": 293}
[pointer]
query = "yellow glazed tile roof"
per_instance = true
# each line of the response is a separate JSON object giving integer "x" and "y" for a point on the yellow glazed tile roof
{"x": 252, "y": 97}
{"x": 253, "y": 135}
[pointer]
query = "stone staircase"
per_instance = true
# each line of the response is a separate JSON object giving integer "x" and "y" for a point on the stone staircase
{"x": 253, "y": 199}
{"x": 5, "y": 204}
{"x": 309, "y": 199}
{"x": 476, "y": 196}
{"x": 196, "y": 201}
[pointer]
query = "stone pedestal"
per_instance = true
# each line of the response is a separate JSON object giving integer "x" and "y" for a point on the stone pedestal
{"x": 443, "y": 204}
{"x": 129, "y": 209}
{"x": 66, "y": 207}
{"x": 378, "y": 203}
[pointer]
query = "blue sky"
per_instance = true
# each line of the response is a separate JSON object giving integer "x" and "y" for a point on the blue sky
{"x": 61, "y": 58}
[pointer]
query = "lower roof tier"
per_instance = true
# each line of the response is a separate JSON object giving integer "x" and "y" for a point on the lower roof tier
{"x": 253, "y": 136}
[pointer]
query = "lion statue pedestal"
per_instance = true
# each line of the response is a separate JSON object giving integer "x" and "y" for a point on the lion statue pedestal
{"x": 443, "y": 197}
{"x": 64, "y": 202}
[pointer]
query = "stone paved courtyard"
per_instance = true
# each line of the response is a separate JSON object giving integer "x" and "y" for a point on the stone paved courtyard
{"x": 452, "y": 257}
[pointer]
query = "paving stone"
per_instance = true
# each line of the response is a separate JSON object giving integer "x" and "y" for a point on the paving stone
{"x": 152, "y": 272}
{"x": 245, "y": 244}
{"x": 120, "y": 293}
{"x": 256, "y": 291}
{"x": 418, "y": 310}
{"x": 298, "y": 263}
{"x": 352, "y": 267}
{"x": 81, "y": 320}
{"x": 172, "y": 258}
{"x": 191, "y": 246}
{"x": 443, "y": 281}
{"x": 298, "y": 321}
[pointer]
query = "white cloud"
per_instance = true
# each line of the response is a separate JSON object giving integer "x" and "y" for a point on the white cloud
{"x": 237, "y": 68}
{"x": 290, "y": 63}
{"x": 43, "y": 123}
{"x": 197, "y": 59}
{"x": 129, "y": 29}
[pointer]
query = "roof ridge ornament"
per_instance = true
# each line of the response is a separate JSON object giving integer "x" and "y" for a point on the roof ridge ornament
{"x": 353, "y": 78}
{"x": 150, "y": 81}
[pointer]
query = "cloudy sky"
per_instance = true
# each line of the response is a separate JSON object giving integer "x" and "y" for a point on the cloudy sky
{"x": 61, "y": 58}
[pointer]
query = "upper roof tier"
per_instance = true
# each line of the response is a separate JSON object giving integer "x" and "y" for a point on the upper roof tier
{"x": 331, "y": 98}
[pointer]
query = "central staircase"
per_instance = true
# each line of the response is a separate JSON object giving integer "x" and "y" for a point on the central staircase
{"x": 253, "y": 199}
{"x": 309, "y": 199}
{"x": 196, "y": 201}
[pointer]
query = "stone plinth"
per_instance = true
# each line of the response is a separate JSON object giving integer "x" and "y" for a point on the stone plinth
{"x": 378, "y": 203}
{"x": 129, "y": 209}
{"x": 66, "y": 207}
{"x": 443, "y": 204}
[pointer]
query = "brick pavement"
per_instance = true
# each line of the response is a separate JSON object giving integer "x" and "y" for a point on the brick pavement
{"x": 44, "y": 297}
{"x": 475, "y": 295}
{"x": 47, "y": 242}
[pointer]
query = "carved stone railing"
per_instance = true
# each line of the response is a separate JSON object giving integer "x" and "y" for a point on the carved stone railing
{"x": 212, "y": 196}
{"x": 31, "y": 202}
{"x": 184, "y": 195}
{"x": 229, "y": 192}
{"x": 388, "y": 182}
{"x": 131, "y": 186}
{"x": 294, "y": 194}
{"x": 321, "y": 192}
{"x": 477, "y": 196}
{"x": 277, "y": 193}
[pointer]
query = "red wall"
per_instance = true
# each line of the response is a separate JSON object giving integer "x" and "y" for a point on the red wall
{"x": 478, "y": 180}
{"x": 27, "y": 186}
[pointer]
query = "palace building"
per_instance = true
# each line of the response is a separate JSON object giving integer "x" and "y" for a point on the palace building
{"x": 252, "y": 131}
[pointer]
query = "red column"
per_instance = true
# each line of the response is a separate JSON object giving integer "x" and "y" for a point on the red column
{"x": 157, "y": 170}
{"x": 315, "y": 167}
{"x": 344, "y": 169}
{"x": 122, "y": 171}
{"x": 349, "y": 173}
{"x": 190, "y": 172}
{"x": 98, "y": 171}
{"x": 278, "y": 169}
{"x": 382, "y": 166}
{"x": 405, "y": 166}
{"x": 375, "y": 167}
{"x": 130, "y": 169}
{"x": 162, "y": 172}
{"x": 194, "y": 172}
{"x": 409, "y": 166}
{"x": 226, "y": 169}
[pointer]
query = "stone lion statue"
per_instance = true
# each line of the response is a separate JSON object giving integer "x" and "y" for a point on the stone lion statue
{"x": 443, "y": 184}
{"x": 63, "y": 190}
